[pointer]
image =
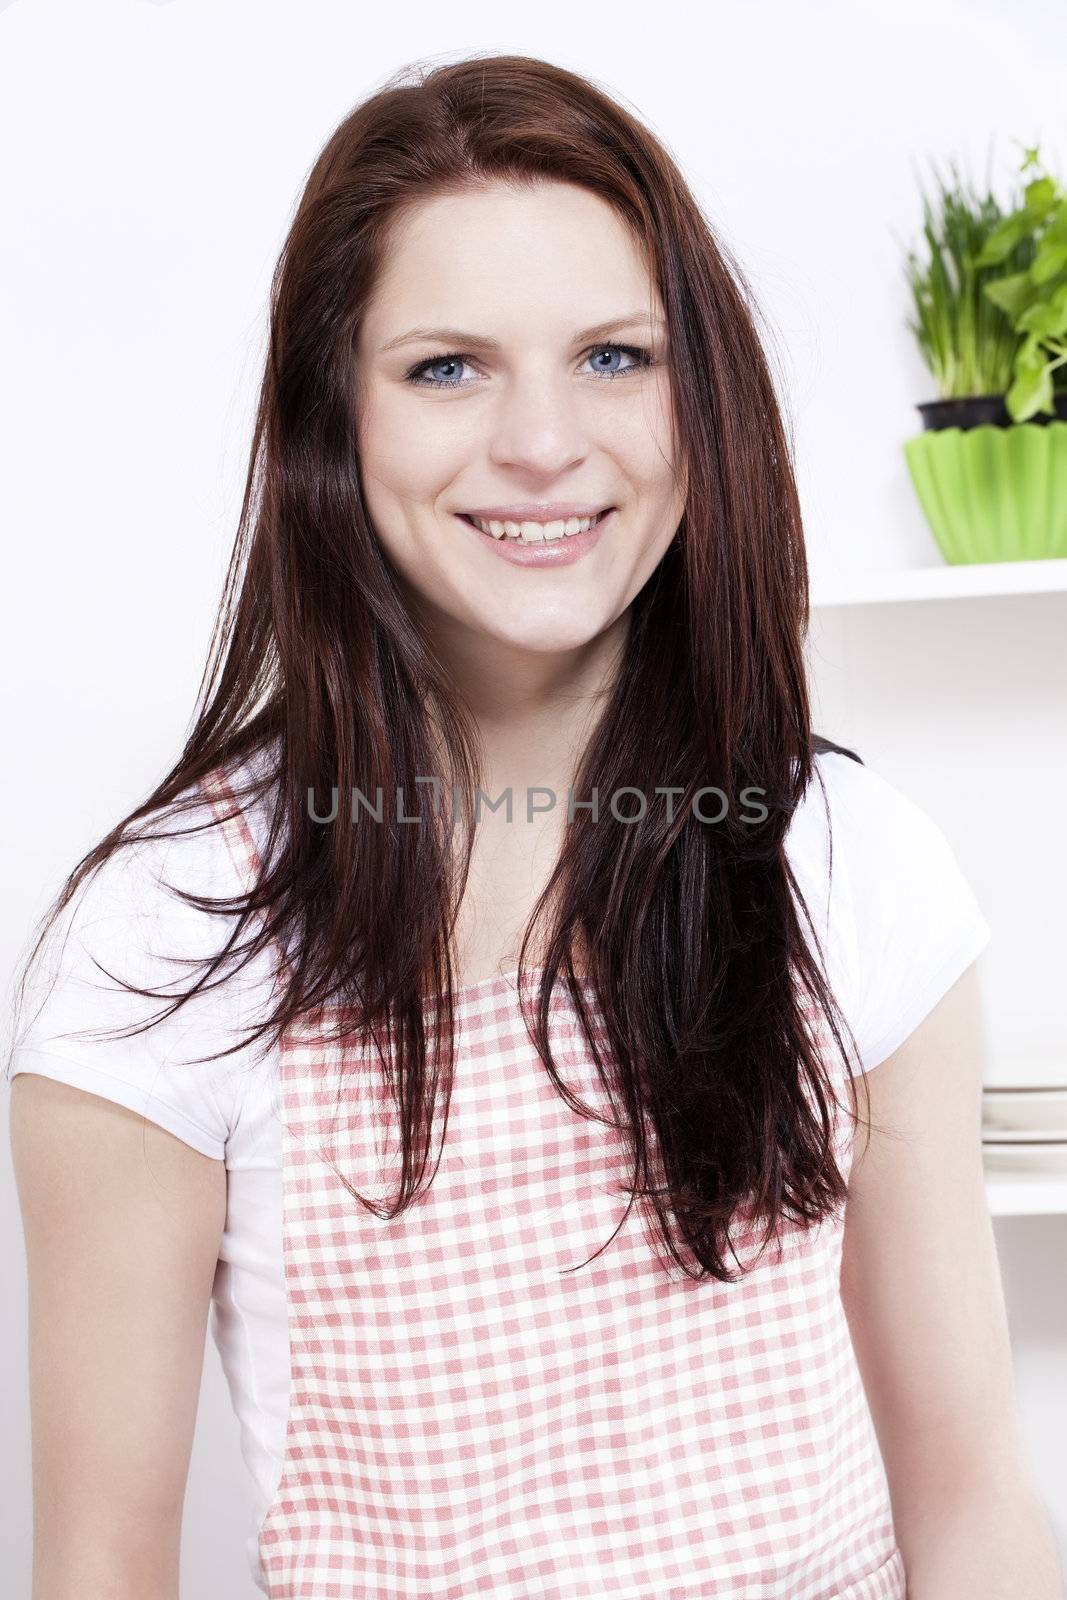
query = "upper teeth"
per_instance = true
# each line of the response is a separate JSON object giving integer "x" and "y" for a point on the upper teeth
{"x": 533, "y": 532}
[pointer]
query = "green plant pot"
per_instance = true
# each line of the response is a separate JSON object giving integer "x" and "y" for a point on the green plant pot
{"x": 993, "y": 494}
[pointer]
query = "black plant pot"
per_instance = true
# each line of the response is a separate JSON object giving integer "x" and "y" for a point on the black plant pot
{"x": 983, "y": 410}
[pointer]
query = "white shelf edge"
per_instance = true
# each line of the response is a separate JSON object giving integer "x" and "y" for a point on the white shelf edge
{"x": 977, "y": 581}
{"x": 1025, "y": 1195}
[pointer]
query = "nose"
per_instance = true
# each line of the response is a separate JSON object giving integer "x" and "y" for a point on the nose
{"x": 537, "y": 428}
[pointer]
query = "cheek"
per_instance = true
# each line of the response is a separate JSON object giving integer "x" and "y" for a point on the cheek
{"x": 643, "y": 441}
{"x": 399, "y": 460}
{"x": 404, "y": 471}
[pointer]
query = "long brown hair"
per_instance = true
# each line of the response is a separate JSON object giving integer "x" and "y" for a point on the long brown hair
{"x": 691, "y": 935}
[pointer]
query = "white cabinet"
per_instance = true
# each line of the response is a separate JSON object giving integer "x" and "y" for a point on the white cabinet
{"x": 952, "y": 682}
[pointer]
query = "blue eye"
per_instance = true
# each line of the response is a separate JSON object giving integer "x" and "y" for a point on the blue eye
{"x": 415, "y": 375}
{"x": 641, "y": 358}
{"x": 420, "y": 374}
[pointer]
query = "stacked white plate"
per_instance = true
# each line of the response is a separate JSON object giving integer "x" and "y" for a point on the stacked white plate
{"x": 1024, "y": 1126}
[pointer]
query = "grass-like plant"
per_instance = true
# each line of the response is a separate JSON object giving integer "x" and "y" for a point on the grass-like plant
{"x": 967, "y": 341}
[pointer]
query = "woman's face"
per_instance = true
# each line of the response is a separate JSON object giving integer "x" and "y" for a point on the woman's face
{"x": 512, "y": 367}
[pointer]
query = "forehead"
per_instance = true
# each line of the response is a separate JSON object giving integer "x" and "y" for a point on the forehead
{"x": 509, "y": 261}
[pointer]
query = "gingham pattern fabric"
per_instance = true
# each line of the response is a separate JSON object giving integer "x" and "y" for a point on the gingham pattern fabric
{"x": 469, "y": 1416}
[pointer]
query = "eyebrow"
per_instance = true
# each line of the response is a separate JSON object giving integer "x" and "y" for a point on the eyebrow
{"x": 478, "y": 341}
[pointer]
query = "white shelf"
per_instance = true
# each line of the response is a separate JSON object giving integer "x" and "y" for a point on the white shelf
{"x": 942, "y": 582}
{"x": 1025, "y": 1196}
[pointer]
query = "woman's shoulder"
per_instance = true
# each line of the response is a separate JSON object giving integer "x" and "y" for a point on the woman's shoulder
{"x": 240, "y": 796}
{"x": 151, "y": 917}
{"x": 881, "y": 832}
{"x": 898, "y": 915}
{"x": 205, "y": 846}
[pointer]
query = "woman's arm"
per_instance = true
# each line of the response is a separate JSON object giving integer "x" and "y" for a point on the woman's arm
{"x": 122, "y": 1223}
{"x": 920, "y": 1283}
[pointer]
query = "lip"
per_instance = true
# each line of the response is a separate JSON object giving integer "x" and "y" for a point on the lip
{"x": 555, "y": 553}
{"x": 536, "y": 511}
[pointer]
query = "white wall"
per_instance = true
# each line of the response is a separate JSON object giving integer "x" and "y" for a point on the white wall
{"x": 154, "y": 153}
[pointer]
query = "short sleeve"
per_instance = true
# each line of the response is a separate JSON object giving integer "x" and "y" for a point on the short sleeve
{"x": 125, "y": 920}
{"x": 913, "y": 922}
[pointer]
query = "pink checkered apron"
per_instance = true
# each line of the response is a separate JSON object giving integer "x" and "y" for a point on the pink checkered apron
{"x": 470, "y": 1416}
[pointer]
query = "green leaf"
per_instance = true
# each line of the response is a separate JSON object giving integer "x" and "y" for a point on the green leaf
{"x": 1051, "y": 258}
{"x": 1031, "y": 360}
{"x": 1029, "y": 393}
{"x": 1012, "y": 294}
{"x": 1041, "y": 195}
{"x": 1048, "y": 321}
{"x": 1003, "y": 239}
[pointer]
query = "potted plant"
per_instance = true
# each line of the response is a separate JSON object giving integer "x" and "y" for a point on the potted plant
{"x": 990, "y": 467}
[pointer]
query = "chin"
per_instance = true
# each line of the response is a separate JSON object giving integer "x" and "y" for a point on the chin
{"x": 546, "y": 641}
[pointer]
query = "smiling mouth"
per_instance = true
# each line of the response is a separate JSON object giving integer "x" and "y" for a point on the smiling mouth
{"x": 536, "y": 532}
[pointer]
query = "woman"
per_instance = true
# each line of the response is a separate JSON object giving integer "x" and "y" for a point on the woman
{"x": 520, "y": 521}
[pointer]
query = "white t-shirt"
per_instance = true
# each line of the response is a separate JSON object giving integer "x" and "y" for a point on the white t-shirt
{"x": 898, "y": 920}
